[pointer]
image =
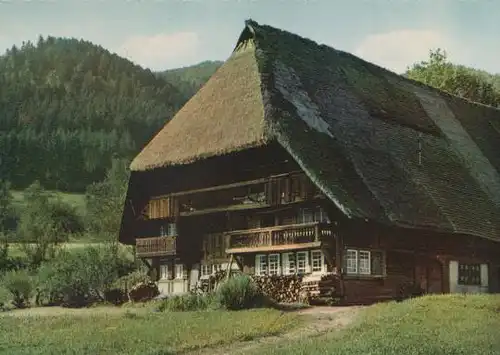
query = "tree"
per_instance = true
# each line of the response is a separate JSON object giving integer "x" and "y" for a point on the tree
{"x": 6, "y": 209}
{"x": 40, "y": 230}
{"x": 458, "y": 80}
{"x": 104, "y": 200}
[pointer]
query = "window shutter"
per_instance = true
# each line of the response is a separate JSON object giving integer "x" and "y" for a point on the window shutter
{"x": 377, "y": 263}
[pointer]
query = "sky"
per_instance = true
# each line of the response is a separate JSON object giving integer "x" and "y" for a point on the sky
{"x": 168, "y": 34}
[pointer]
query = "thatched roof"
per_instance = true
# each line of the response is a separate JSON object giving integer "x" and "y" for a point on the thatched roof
{"x": 226, "y": 114}
{"x": 380, "y": 146}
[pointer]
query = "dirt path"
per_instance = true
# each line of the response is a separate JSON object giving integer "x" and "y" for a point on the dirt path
{"x": 319, "y": 320}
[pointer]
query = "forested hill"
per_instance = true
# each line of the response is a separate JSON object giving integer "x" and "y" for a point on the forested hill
{"x": 190, "y": 79}
{"x": 68, "y": 106}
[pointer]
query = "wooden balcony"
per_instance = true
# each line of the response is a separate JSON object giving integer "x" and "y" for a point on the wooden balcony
{"x": 296, "y": 236}
{"x": 156, "y": 246}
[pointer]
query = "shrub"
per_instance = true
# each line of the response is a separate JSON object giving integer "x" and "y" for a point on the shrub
{"x": 187, "y": 302}
{"x": 20, "y": 286}
{"x": 239, "y": 292}
{"x": 125, "y": 283}
{"x": 4, "y": 297}
{"x": 81, "y": 276}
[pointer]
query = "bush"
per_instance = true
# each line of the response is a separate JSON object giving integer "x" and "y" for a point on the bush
{"x": 187, "y": 302}
{"x": 239, "y": 292}
{"x": 79, "y": 277}
{"x": 20, "y": 286}
{"x": 125, "y": 283}
{"x": 4, "y": 298}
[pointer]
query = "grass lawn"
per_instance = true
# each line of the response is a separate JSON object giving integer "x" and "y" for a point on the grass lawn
{"x": 72, "y": 199}
{"x": 15, "y": 249}
{"x": 109, "y": 330}
{"x": 433, "y": 325}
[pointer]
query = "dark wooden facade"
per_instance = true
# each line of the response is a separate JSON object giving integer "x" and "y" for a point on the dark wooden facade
{"x": 258, "y": 205}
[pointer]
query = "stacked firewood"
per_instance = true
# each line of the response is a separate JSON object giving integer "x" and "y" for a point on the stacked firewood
{"x": 320, "y": 289}
{"x": 286, "y": 289}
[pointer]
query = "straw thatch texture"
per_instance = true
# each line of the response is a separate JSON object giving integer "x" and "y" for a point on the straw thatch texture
{"x": 225, "y": 115}
{"x": 381, "y": 147}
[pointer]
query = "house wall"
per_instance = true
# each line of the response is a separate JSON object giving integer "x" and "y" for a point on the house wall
{"x": 424, "y": 259}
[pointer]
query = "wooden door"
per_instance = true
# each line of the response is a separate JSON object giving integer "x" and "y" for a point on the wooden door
{"x": 429, "y": 275}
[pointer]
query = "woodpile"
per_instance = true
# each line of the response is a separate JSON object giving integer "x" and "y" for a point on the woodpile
{"x": 286, "y": 289}
{"x": 290, "y": 289}
{"x": 321, "y": 289}
{"x": 143, "y": 291}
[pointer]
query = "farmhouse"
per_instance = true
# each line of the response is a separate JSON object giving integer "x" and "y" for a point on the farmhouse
{"x": 296, "y": 161}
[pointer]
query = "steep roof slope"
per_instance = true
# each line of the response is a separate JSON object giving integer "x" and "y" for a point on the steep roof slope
{"x": 381, "y": 147}
{"x": 226, "y": 114}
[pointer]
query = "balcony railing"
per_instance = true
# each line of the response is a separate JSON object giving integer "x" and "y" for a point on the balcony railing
{"x": 155, "y": 246}
{"x": 310, "y": 234}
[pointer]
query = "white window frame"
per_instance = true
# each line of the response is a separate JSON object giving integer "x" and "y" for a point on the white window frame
{"x": 354, "y": 258}
{"x": 216, "y": 267}
{"x": 365, "y": 269}
{"x": 260, "y": 264}
{"x": 289, "y": 264}
{"x": 205, "y": 270}
{"x": 164, "y": 272}
{"x": 351, "y": 255}
{"x": 179, "y": 271}
{"x": 274, "y": 267}
{"x": 314, "y": 257}
{"x": 305, "y": 269}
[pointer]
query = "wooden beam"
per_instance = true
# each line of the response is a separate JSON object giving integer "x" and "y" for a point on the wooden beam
{"x": 270, "y": 248}
{"x": 229, "y": 186}
{"x": 238, "y": 262}
{"x": 229, "y": 266}
{"x": 328, "y": 257}
{"x": 224, "y": 209}
{"x": 339, "y": 261}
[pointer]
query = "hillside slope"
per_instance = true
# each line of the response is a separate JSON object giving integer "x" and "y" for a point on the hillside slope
{"x": 68, "y": 106}
{"x": 189, "y": 80}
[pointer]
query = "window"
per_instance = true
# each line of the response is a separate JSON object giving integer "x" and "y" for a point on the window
{"x": 260, "y": 265}
{"x": 168, "y": 230}
{"x": 302, "y": 262}
{"x": 321, "y": 216}
{"x": 179, "y": 271}
{"x": 351, "y": 261}
{"x": 306, "y": 215}
{"x": 206, "y": 270}
{"x": 289, "y": 264}
{"x": 216, "y": 267}
{"x": 364, "y": 262}
{"x": 274, "y": 264}
{"x": 164, "y": 274}
{"x": 469, "y": 274}
{"x": 317, "y": 261}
